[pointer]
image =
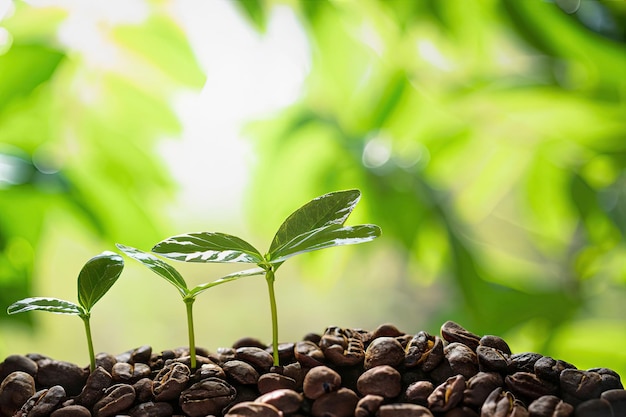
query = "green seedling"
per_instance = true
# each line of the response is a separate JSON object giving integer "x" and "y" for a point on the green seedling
{"x": 171, "y": 275}
{"x": 95, "y": 279}
{"x": 317, "y": 225}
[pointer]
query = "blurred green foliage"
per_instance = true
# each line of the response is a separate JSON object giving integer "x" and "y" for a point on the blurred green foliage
{"x": 490, "y": 145}
{"x": 488, "y": 140}
{"x": 77, "y": 140}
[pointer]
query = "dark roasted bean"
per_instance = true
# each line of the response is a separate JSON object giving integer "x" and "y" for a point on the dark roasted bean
{"x": 382, "y": 380}
{"x": 340, "y": 403}
{"x": 241, "y": 372}
{"x": 71, "y": 411}
{"x": 480, "y": 386}
{"x": 252, "y": 409}
{"x": 501, "y": 403}
{"x": 170, "y": 381}
{"x": 447, "y": 395}
{"x": 257, "y": 357}
{"x": 15, "y": 363}
{"x": 418, "y": 348}
{"x": 610, "y": 378}
{"x": 71, "y": 377}
{"x": 386, "y": 330}
{"x": 452, "y": 332}
{"x": 550, "y": 406}
{"x": 523, "y": 362}
{"x": 495, "y": 342}
{"x": 550, "y": 369}
{"x": 491, "y": 359}
{"x": 528, "y": 386}
{"x": 418, "y": 392}
{"x": 116, "y": 399}
{"x": 383, "y": 351}
{"x": 43, "y": 402}
{"x": 209, "y": 396}
{"x": 596, "y": 407}
{"x": 141, "y": 355}
{"x": 617, "y": 399}
{"x": 150, "y": 409}
{"x": 309, "y": 354}
{"x": 272, "y": 381}
{"x": 462, "y": 359}
{"x": 15, "y": 390}
{"x": 578, "y": 386}
{"x": 368, "y": 405}
{"x": 97, "y": 382}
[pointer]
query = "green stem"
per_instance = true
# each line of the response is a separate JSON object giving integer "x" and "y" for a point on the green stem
{"x": 92, "y": 355}
{"x": 192, "y": 338}
{"x": 269, "y": 277}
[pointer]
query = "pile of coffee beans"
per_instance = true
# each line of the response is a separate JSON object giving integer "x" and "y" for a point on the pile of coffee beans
{"x": 340, "y": 373}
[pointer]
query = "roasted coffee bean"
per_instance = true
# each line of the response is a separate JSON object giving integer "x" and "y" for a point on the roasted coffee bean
{"x": 550, "y": 369}
{"x": 43, "y": 402}
{"x": 255, "y": 356}
{"x": 14, "y": 363}
{"x": 447, "y": 395}
{"x": 434, "y": 357}
{"x": 295, "y": 371}
{"x": 610, "y": 378}
{"x": 617, "y": 399}
{"x": 71, "y": 377}
{"x": 309, "y": 354}
{"x": 116, "y": 398}
{"x": 150, "y": 409}
{"x": 170, "y": 381}
{"x": 343, "y": 347}
{"x": 319, "y": 381}
{"x": 241, "y": 372}
{"x": 550, "y": 406}
{"x": 252, "y": 409}
{"x": 386, "y": 330}
{"x": 418, "y": 349}
{"x": 209, "y": 370}
{"x": 578, "y": 386}
{"x": 382, "y": 380}
{"x": 15, "y": 390}
{"x": 453, "y": 332}
{"x": 122, "y": 372}
{"x": 418, "y": 392}
{"x": 143, "y": 390}
{"x": 403, "y": 410}
{"x": 495, "y": 342}
{"x": 96, "y": 383}
{"x": 528, "y": 386}
{"x": 71, "y": 411}
{"x": 491, "y": 359}
{"x": 368, "y": 406}
{"x": 384, "y": 351}
{"x": 272, "y": 381}
{"x": 442, "y": 372}
{"x": 105, "y": 361}
{"x": 462, "y": 359}
{"x": 209, "y": 396}
{"x": 502, "y": 403}
{"x": 141, "y": 355}
{"x": 286, "y": 352}
{"x": 340, "y": 403}
{"x": 286, "y": 400}
{"x": 596, "y": 407}
{"x": 523, "y": 362}
{"x": 249, "y": 342}
{"x": 480, "y": 386}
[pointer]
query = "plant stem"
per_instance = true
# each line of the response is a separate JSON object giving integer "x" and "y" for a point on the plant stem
{"x": 192, "y": 338}
{"x": 269, "y": 277}
{"x": 92, "y": 355}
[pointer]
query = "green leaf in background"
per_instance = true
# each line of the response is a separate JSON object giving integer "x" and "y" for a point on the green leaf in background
{"x": 324, "y": 237}
{"x": 97, "y": 277}
{"x": 255, "y": 11}
{"x": 161, "y": 268}
{"x": 208, "y": 247}
{"x": 328, "y": 209}
{"x": 52, "y": 305}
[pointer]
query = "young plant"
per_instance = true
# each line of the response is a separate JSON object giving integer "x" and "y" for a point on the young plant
{"x": 171, "y": 275}
{"x": 317, "y": 225}
{"x": 95, "y": 279}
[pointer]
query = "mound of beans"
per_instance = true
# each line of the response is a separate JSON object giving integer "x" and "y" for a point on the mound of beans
{"x": 339, "y": 373}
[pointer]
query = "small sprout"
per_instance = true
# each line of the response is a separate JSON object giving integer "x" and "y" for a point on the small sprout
{"x": 171, "y": 275}
{"x": 317, "y": 225}
{"x": 95, "y": 279}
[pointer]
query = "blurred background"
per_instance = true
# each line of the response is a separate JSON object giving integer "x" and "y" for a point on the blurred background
{"x": 488, "y": 140}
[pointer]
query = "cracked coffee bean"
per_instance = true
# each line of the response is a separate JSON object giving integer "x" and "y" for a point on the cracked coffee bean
{"x": 528, "y": 386}
{"x": 170, "y": 381}
{"x": 578, "y": 386}
{"x": 342, "y": 347}
{"x": 319, "y": 381}
{"x": 117, "y": 398}
{"x": 550, "y": 369}
{"x": 502, "y": 403}
{"x": 447, "y": 395}
{"x": 96, "y": 383}
{"x": 209, "y": 396}
{"x": 43, "y": 402}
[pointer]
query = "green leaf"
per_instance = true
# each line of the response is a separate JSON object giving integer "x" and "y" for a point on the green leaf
{"x": 97, "y": 277}
{"x": 53, "y": 305}
{"x": 158, "y": 266}
{"x": 208, "y": 247}
{"x": 230, "y": 277}
{"x": 255, "y": 11}
{"x": 325, "y": 237}
{"x": 328, "y": 209}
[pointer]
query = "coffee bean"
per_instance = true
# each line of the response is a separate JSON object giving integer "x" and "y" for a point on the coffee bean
{"x": 528, "y": 386}
{"x": 384, "y": 351}
{"x": 386, "y": 330}
{"x": 523, "y": 362}
{"x": 340, "y": 403}
{"x": 418, "y": 349}
{"x": 578, "y": 386}
{"x": 610, "y": 378}
{"x": 286, "y": 400}
{"x": 209, "y": 396}
{"x": 143, "y": 390}
{"x": 447, "y": 395}
{"x": 150, "y": 409}
{"x": 252, "y": 409}
{"x": 403, "y": 410}
{"x": 255, "y": 356}
{"x": 480, "y": 386}
{"x": 170, "y": 381}
{"x": 502, "y": 403}
{"x": 272, "y": 381}
{"x": 249, "y": 342}
{"x": 309, "y": 354}
{"x": 71, "y": 411}
{"x": 453, "y": 332}
{"x": 209, "y": 370}
{"x": 495, "y": 342}
{"x": 550, "y": 406}
{"x": 96, "y": 383}
{"x": 43, "y": 402}
{"x": 116, "y": 398}
{"x": 491, "y": 359}
{"x": 319, "y": 381}
{"x": 368, "y": 405}
{"x": 382, "y": 380}
{"x": 617, "y": 399}
{"x": 141, "y": 355}
{"x": 343, "y": 347}
{"x": 418, "y": 392}
{"x": 15, "y": 390}
{"x": 105, "y": 361}
{"x": 14, "y": 363}
{"x": 462, "y": 359}
{"x": 241, "y": 372}
{"x": 596, "y": 407}
{"x": 550, "y": 369}
{"x": 122, "y": 372}
{"x": 71, "y": 377}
